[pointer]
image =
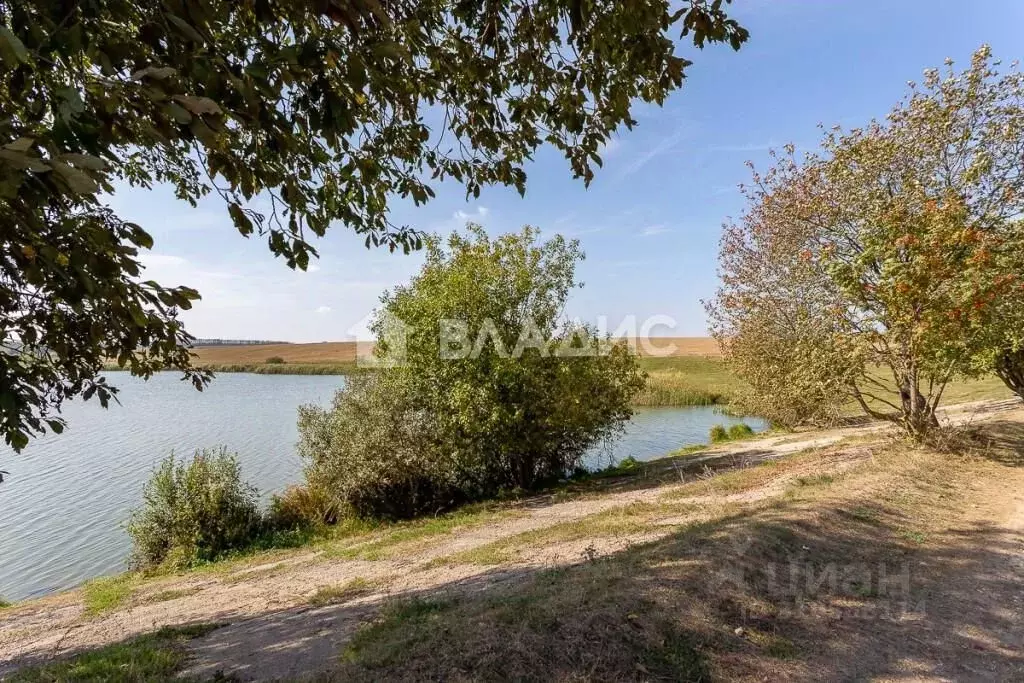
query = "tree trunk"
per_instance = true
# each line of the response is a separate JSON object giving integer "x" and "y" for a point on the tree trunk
{"x": 1010, "y": 369}
{"x": 918, "y": 415}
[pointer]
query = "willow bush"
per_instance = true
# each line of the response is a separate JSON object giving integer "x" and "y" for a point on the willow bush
{"x": 194, "y": 511}
{"x": 483, "y": 387}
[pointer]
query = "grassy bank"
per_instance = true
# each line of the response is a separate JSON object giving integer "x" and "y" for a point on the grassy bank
{"x": 664, "y": 609}
{"x": 671, "y": 381}
{"x": 686, "y": 381}
{"x": 157, "y": 656}
{"x": 271, "y": 368}
{"x": 285, "y": 368}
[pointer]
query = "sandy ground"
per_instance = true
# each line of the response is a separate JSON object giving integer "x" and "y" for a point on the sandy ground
{"x": 273, "y": 632}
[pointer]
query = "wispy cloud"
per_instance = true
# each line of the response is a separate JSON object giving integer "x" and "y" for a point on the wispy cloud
{"x": 478, "y": 214}
{"x": 322, "y": 309}
{"x": 565, "y": 218}
{"x": 665, "y": 145}
{"x": 652, "y": 230}
{"x": 221, "y": 286}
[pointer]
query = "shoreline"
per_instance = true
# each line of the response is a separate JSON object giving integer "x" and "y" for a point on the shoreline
{"x": 361, "y": 572}
{"x": 568, "y": 489}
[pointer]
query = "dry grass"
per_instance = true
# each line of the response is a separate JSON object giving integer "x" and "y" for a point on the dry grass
{"x": 399, "y": 538}
{"x": 759, "y": 590}
{"x": 357, "y": 587}
{"x": 346, "y": 352}
{"x": 620, "y": 521}
{"x": 684, "y": 346}
{"x": 532, "y": 635}
{"x": 170, "y": 594}
{"x": 322, "y": 353}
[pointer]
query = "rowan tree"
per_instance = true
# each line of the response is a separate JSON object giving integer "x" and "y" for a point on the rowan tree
{"x": 898, "y": 246}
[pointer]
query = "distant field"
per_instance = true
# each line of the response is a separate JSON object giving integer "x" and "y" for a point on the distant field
{"x": 685, "y": 346}
{"x": 329, "y": 353}
{"x": 243, "y": 354}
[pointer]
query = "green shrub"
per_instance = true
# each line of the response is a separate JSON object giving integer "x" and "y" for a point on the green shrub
{"x": 275, "y": 360}
{"x": 740, "y": 431}
{"x": 194, "y": 511}
{"x": 431, "y": 430}
{"x": 627, "y": 466}
{"x": 302, "y": 507}
{"x": 375, "y": 453}
{"x": 718, "y": 434}
{"x": 4, "y": 604}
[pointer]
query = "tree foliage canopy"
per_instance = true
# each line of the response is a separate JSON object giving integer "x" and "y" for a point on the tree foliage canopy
{"x": 517, "y": 400}
{"x": 888, "y": 264}
{"x": 298, "y": 114}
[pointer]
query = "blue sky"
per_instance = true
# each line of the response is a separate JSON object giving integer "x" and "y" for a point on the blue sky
{"x": 650, "y": 221}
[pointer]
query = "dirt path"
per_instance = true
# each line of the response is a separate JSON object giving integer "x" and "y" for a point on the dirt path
{"x": 965, "y": 619}
{"x": 272, "y": 631}
{"x": 986, "y": 603}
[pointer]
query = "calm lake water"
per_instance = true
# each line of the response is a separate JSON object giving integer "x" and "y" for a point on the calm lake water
{"x": 63, "y": 506}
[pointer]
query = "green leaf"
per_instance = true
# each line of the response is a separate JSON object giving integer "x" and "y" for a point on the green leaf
{"x": 12, "y": 50}
{"x": 78, "y": 181}
{"x": 84, "y": 161}
{"x": 18, "y": 440}
{"x": 242, "y": 222}
{"x": 206, "y": 134}
{"x": 138, "y": 316}
{"x": 24, "y": 162}
{"x": 186, "y": 28}
{"x": 140, "y": 236}
{"x": 178, "y": 113}
{"x": 70, "y": 103}
{"x": 389, "y": 48}
{"x": 156, "y": 72}
{"x": 198, "y": 105}
{"x": 20, "y": 145}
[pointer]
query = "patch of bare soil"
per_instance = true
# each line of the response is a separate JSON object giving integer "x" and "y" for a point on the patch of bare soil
{"x": 726, "y": 578}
